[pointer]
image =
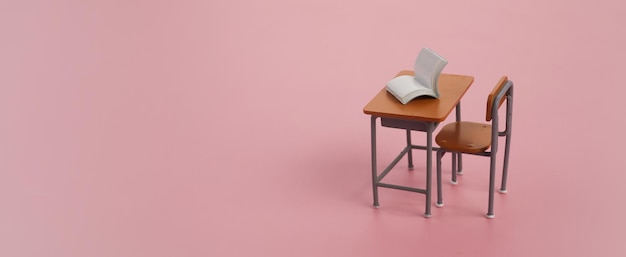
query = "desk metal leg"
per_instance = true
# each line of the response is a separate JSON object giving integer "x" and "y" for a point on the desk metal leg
{"x": 429, "y": 165}
{"x": 410, "y": 152}
{"x": 374, "y": 173}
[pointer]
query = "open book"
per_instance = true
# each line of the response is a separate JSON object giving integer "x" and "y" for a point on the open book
{"x": 428, "y": 67}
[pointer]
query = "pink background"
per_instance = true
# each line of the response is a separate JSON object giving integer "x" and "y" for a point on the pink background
{"x": 235, "y": 128}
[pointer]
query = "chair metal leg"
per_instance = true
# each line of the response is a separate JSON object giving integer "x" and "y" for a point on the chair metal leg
{"x": 374, "y": 173}
{"x": 459, "y": 165}
{"x": 439, "y": 189}
{"x": 410, "y": 152}
{"x": 505, "y": 166}
{"x": 492, "y": 181}
{"x": 454, "y": 171}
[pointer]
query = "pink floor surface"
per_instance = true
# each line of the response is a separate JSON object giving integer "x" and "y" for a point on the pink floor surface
{"x": 235, "y": 128}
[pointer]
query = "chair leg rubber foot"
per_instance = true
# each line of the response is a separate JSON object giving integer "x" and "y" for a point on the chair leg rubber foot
{"x": 503, "y": 191}
{"x": 439, "y": 205}
{"x": 427, "y": 215}
{"x": 490, "y": 216}
{"x": 411, "y": 168}
{"x": 460, "y": 172}
{"x": 376, "y": 206}
{"x": 454, "y": 182}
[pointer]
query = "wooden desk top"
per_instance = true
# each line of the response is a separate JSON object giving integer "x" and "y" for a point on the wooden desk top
{"x": 451, "y": 89}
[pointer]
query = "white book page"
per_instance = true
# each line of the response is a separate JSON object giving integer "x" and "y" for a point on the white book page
{"x": 402, "y": 86}
{"x": 428, "y": 67}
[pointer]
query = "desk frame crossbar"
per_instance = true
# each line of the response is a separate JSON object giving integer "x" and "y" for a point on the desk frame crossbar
{"x": 423, "y": 126}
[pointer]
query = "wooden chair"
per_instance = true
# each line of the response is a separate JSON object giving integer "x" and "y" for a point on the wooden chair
{"x": 479, "y": 139}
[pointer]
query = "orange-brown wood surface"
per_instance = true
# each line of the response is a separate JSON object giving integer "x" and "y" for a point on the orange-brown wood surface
{"x": 451, "y": 89}
{"x": 465, "y": 136}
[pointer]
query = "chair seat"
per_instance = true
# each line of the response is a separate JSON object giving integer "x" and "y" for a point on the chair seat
{"x": 465, "y": 136}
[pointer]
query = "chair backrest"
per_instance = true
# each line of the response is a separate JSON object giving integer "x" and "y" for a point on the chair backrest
{"x": 503, "y": 85}
{"x": 502, "y": 91}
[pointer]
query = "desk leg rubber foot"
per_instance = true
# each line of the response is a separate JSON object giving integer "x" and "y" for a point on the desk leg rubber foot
{"x": 460, "y": 172}
{"x": 376, "y": 206}
{"x": 490, "y": 216}
{"x": 454, "y": 182}
{"x": 427, "y": 215}
{"x": 502, "y": 191}
{"x": 411, "y": 167}
{"x": 439, "y": 205}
